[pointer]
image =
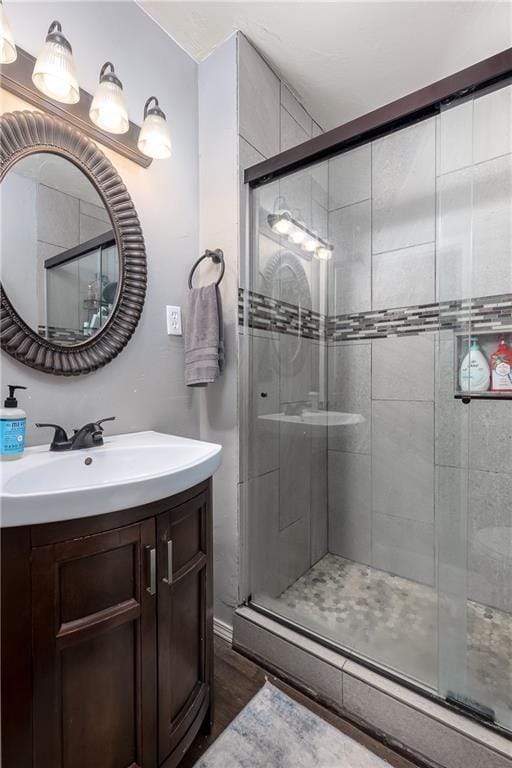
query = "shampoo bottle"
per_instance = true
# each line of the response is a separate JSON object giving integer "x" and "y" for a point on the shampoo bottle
{"x": 475, "y": 374}
{"x": 501, "y": 368}
{"x": 12, "y": 427}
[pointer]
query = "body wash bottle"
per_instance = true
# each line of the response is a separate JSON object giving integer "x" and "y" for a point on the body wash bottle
{"x": 475, "y": 374}
{"x": 501, "y": 368}
{"x": 12, "y": 427}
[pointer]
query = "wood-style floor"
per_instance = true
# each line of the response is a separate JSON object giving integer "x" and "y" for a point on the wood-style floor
{"x": 237, "y": 679}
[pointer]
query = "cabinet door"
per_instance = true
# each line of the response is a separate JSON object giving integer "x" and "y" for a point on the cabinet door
{"x": 184, "y": 622}
{"x": 94, "y": 647}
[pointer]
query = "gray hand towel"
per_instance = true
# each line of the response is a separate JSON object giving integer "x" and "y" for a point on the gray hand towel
{"x": 204, "y": 337}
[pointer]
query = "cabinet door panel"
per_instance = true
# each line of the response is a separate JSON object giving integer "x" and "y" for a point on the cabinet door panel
{"x": 94, "y": 652}
{"x": 98, "y": 687}
{"x": 184, "y": 620}
{"x": 186, "y": 660}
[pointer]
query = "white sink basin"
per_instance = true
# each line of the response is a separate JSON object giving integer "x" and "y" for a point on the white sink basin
{"x": 127, "y": 471}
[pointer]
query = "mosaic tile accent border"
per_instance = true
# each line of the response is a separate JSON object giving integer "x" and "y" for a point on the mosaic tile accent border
{"x": 269, "y": 314}
{"x": 486, "y": 314}
{"x": 57, "y": 334}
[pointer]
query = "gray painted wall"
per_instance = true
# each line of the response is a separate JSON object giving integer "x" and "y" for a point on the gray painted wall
{"x": 144, "y": 387}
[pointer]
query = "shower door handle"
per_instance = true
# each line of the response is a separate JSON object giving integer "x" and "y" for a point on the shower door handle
{"x": 168, "y": 579}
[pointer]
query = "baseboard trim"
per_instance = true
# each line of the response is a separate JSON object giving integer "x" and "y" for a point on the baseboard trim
{"x": 222, "y": 629}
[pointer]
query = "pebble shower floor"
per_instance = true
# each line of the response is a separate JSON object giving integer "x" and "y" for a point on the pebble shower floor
{"x": 360, "y": 607}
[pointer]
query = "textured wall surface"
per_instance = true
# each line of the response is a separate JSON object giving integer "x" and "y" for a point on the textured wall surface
{"x": 144, "y": 387}
{"x": 418, "y": 217}
{"x": 283, "y": 468}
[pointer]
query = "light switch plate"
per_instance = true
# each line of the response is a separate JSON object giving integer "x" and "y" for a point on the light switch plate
{"x": 173, "y": 320}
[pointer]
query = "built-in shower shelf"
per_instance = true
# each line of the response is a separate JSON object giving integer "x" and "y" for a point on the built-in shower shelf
{"x": 488, "y": 341}
{"x": 483, "y": 396}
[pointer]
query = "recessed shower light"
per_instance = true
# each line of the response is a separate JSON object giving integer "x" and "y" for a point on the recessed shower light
{"x": 54, "y": 71}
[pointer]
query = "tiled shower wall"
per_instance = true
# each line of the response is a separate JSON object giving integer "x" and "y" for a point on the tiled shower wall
{"x": 286, "y": 473}
{"x": 420, "y": 216}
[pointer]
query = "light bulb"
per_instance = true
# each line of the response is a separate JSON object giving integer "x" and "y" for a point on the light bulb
{"x": 54, "y": 71}
{"x": 154, "y": 138}
{"x": 108, "y": 109}
{"x": 8, "y": 52}
{"x": 282, "y": 224}
{"x": 296, "y": 235}
{"x": 309, "y": 244}
{"x": 323, "y": 253}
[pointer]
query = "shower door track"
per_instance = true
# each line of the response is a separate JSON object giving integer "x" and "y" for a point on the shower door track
{"x": 383, "y": 671}
{"x": 409, "y": 109}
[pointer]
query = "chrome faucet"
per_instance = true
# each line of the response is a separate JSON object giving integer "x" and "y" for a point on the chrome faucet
{"x": 88, "y": 436}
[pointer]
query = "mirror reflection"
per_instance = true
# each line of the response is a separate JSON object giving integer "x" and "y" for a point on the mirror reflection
{"x": 59, "y": 266}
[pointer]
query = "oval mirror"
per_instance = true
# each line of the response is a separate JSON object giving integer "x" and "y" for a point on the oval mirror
{"x": 60, "y": 263}
{"x": 73, "y": 267}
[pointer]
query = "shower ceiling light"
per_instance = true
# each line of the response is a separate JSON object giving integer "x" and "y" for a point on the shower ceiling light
{"x": 298, "y": 234}
{"x": 108, "y": 109}
{"x": 154, "y": 138}
{"x": 54, "y": 71}
{"x": 8, "y": 52}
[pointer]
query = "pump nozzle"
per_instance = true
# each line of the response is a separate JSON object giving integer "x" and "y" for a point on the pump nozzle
{"x": 11, "y": 401}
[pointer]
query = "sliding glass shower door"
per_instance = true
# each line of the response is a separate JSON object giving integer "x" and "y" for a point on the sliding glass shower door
{"x": 379, "y": 422}
{"x": 474, "y": 413}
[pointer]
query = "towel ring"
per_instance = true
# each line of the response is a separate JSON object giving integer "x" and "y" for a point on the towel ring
{"x": 217, "y": 256}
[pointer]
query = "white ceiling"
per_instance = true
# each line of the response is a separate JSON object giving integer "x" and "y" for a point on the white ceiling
{"x": 344, "y": 59}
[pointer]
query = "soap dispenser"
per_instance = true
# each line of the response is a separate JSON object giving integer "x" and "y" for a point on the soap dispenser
{"x": 12, "y": 427}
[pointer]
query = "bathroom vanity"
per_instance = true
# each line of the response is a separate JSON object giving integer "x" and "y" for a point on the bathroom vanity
{"x": 107, "y": 618}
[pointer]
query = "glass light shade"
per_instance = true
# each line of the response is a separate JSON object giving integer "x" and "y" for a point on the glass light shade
{"x": 296, "y": 236}
{"x": 108, "y": 109}
{"x": 54, "y": 73}
{"x": 154, "y": 138}
{"x": 282, "y": 225}
{"x": 309, "y": 244}
{"x": 8, "y": 52}
{"x": 323, "y": 253}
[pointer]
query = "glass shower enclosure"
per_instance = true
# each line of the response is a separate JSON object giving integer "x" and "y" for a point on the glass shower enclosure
{"x": 379, "y": 422}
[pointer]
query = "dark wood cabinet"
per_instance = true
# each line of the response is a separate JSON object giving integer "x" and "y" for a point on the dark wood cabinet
{"x": 184, "y": 623}
{"x": 108, "y": 622}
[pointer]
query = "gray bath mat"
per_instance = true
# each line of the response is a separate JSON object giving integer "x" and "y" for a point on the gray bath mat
{"x": 273, "y": 731}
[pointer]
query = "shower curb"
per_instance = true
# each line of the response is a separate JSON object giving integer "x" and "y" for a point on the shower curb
{"x": 414, "y": 724}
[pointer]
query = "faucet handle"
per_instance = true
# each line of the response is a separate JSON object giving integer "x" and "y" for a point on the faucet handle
{"x": 101, "y": 421}
{"x": 60, "y": 438}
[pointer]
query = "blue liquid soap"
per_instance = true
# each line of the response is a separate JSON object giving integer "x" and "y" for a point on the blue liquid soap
{"x": 13, "y": 422}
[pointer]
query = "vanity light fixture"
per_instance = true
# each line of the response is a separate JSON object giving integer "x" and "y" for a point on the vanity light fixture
{"x": 8, "y": 52}
{"x": 298, "y": 234}
{"x": 154, "y": 138}
{"x": 108, "y": 109}
{"x": 281, "y": 220}
{"x": 54, "y": 71}
{"x": 324, "y": 252}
